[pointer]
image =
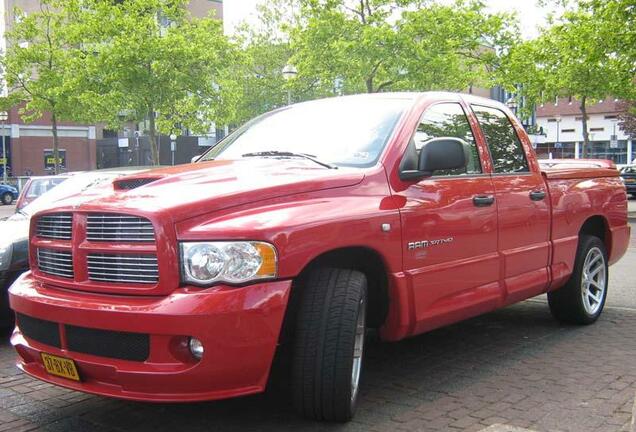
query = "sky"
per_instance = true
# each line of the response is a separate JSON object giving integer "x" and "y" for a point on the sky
{"x": 530, "y": 15}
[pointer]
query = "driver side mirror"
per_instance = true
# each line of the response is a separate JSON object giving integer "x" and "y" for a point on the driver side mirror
{"x": 438, "y": 154}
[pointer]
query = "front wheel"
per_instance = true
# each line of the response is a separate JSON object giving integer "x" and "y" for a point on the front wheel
{"x": 582, "y": 299}
{"x": 7, "y": 198}
{"x": 329, "y": 344}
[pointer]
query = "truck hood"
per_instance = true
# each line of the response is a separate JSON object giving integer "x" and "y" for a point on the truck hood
{"x": 187, "y": 191}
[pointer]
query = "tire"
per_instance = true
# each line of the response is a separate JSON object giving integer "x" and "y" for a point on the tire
{"x": 7, "y": 198}
{"x": 572, "y": 304}
{"x": 329, "y": 344}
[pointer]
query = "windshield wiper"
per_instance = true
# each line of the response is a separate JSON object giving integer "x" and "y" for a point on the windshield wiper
{"x": 276, "y": 153}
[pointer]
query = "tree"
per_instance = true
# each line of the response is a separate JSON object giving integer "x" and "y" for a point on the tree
{"x": 42, "y": 68}
{"x": 627, "y": 120}
{"x": 381, "y": 45}
{"x": 149, "y": 60}
{"x": 266, "y": 50}
{"x": 576, "y": 57}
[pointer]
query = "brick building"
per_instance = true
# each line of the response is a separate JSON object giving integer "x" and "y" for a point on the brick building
{"x": 29, "y": 145}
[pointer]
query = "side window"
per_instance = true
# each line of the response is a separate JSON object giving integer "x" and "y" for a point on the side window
{"x": 505, "y": 148}
{"x": 448, "y": 120}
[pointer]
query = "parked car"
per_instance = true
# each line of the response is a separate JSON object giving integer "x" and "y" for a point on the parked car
{"x": 629, "y": 177}
{"x": 8, "y": 194}
{"x": 304, "y": 228}
{"x": 15, "y": 231}
{"x": 37, "y": 186}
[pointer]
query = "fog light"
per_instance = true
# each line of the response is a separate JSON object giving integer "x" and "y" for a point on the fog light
{"x": 196, "y": 348}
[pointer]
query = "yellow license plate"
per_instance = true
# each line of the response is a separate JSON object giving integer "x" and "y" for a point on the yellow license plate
{"x": 60, "y": 366}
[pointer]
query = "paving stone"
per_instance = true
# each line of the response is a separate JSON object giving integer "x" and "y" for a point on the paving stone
{"x": 514, "y": 370}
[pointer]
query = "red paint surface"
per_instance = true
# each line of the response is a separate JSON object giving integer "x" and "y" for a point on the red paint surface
{"x": 502, "y": 254}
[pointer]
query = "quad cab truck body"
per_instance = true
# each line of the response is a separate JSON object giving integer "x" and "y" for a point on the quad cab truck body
{"x": 180, "y": 284}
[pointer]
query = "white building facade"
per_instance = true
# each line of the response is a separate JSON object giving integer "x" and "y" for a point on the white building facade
{"x": 562, "y": 126}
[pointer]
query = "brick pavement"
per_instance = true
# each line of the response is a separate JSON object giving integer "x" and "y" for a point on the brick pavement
{"x": 515, "y": 367}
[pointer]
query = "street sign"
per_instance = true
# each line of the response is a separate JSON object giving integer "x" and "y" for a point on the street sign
{"x": 613, "y": 141}
{"x": 122, "y": 142}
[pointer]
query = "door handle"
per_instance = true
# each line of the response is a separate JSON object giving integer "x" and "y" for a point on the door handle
{"x": 483, "y": 200}
{"x": 537, "y": 195}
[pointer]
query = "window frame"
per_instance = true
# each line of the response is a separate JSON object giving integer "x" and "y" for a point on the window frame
{"x": 522, "y": 145}
{"x": 483, "y": 172}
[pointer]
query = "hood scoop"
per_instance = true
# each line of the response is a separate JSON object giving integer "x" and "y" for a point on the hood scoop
{"x": 133, "y": 183}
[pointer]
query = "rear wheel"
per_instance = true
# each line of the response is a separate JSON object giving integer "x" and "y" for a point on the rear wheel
{"x": 7, "y": 198}
{"x": 582, "y": 299}
{"x": 329, "y": 344}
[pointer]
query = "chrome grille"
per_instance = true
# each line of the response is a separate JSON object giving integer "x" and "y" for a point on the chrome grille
{"x": 55, "y": 226}
{"x": 119, "y": 228}
{"x": 123, "y": 268}
{"x": 56, "y": 262}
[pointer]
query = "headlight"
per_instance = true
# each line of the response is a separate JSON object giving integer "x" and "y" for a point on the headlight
{"x": 5, "y": 256}
{"x": 205, "y": 263}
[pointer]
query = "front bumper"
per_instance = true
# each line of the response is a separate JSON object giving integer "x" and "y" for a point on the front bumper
{"x": 239, "y": 328}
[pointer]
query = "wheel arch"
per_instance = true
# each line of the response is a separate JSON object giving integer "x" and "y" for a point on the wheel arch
{"x": 598, "y": 226}
{"x": 362, "y": 258}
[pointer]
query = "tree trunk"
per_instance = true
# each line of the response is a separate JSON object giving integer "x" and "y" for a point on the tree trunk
{"x": 56, "y": 144}
{"x": 586, "y": 135}
{"x": 369, "y": 83}
{"x": 152, "y": 135}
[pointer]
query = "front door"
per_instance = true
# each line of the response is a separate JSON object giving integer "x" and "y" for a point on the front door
{"x": 449, "y": 224}
{"x": 522, "y": 205}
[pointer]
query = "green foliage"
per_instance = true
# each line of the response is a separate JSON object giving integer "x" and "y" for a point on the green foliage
{"x": 347, "y": 46}
{"x": 266, "y": 50}
{"x": 582, "y": 55}
{"x": 148, "y": 59}
{"x": 42, "y": 65}
{"x": 400, "y": 45}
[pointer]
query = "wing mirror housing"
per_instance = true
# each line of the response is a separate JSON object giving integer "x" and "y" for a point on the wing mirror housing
{"x": 436, "y": 155}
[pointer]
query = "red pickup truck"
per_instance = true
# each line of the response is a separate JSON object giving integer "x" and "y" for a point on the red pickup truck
{"x": 303, "y": 229}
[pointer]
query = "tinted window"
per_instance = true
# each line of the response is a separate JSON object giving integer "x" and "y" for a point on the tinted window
{"x": 448, "y": 120}
{"x": 505, "y": 148}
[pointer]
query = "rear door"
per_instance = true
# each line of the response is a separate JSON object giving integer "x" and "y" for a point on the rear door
{"x": 522, "y": 205}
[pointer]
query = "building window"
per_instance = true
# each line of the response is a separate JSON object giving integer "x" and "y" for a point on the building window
{"x": 49, "y": 159}
{"x": 597, "y": 129}
{"x": 610, "y": 117}
{"x": 551, "y": 120}
{"x": 567, "y": 130}
{"x": 581, "y": 118}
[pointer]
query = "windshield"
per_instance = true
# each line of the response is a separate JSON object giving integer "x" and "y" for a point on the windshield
{"x": 43, "y": 185}
{"x": 629, "y": 170}
{"x": 341, "y": 131}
